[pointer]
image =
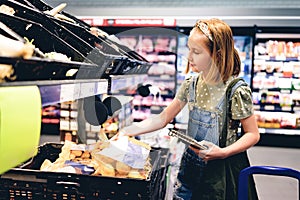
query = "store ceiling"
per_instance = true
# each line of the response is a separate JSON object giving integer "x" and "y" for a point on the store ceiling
{"x": 183, "y": 3}
{"x": 235, "y": 12}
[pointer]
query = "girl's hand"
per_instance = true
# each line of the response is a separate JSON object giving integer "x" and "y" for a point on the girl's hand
{"x": 120, "y": 133}
{"x": 213, "y": 152}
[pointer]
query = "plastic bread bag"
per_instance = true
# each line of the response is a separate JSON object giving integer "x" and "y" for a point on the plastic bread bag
{"x": 127, "y": 150}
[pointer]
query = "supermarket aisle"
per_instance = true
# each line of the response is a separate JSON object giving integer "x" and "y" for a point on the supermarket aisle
{"x": 276, "y": 187}
{"x": 268, "y": 187}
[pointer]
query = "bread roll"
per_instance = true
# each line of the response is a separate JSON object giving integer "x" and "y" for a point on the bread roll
{"x": 122, "y": 168}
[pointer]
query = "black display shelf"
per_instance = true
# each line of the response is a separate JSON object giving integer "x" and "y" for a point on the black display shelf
{"x": 279, "y": 140}
{"x": 37, "y": 68}
{"x": 24, "y": 12}
{"x": 43, "y": 6}
{"x": 38, "y": 184}
{"x": 43, "y": 39}
{"x": 110, "y": 57}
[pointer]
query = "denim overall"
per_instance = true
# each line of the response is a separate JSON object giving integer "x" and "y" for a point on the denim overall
{"x": 196, "y": 176}
{"x": 202, "y": 125}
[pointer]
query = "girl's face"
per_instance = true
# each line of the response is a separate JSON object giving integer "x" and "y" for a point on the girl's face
{"x": 199, "y": 55}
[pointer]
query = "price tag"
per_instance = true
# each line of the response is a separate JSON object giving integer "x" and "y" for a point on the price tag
{"x": 262, "y": 130}
{"x": 69, "y": 92}
{"x": 87, "y": 89}
{"x": 286, "y": 108}
{"x": 296, "y": 108}
{"x": 256, "y": 107}
{"x": 64, "y": 125}
{"x": 155, "y": 108}
{"x": 165, "y": 76}
{"x": 119, "y": 84}
{"x": 64, "y": 113}
{"x": 282, "y": 57}
{"x": 101, "y": 88}
{"x": 269, "y": 107}
{"x": 73, "y": 125}
{"x": 73, "y": 114}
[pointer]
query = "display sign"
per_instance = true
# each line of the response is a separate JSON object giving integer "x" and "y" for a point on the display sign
{"x": 161, "y": 22}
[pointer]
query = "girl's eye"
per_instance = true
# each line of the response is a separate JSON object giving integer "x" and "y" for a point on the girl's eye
{"x": 196, "y": 52}
{"x": 193, "y": 50}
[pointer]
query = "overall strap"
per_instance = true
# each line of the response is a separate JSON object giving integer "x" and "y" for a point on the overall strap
{"x": 233, "y": 85}
{"x": 192, "y": 89}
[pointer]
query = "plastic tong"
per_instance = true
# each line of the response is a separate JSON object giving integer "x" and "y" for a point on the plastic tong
{"x": 188, "y": 140}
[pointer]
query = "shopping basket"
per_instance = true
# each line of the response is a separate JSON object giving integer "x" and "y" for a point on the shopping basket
{"x": 267, "y": 170}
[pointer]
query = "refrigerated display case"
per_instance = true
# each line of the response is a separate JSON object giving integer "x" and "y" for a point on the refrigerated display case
{"x": 275, "y": 85}
{"x": 244, "y": 38}
{"x": 158, "y": 45}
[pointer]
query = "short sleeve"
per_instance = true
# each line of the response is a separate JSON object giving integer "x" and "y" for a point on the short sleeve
{"x": 242, "y": 104}
{"x": 182, "y": 93}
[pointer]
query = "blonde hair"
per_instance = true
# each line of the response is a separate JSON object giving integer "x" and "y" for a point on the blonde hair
{"x": 226, "y": 60}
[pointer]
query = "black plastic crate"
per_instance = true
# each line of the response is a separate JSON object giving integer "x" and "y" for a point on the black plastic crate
{"x": 27, "y": 13}
{"x": 111, "y": 57}
{"x": 131, "y": 62}
{"x": 35, "y": 25}
{"x": 82, "y": 30}
{"x": 43, "y": 6}
{"x": 45, "y": 69}
{"x": 162, "y": 172}
{"x": 27, "y": 182}
{"x": 45, "y": 40}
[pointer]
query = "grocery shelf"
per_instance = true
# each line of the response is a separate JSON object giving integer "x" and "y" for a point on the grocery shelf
{"x": 119, "y": 82}
{"x": 279, "y": 131}
{"x": 56, "y": 91}
{"x": 74, "y": 63}
{"x": 65, "y": 90}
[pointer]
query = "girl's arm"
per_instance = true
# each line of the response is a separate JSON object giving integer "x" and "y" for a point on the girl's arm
{"x": 156, "y": 122}
{"x": 249, "y": 138}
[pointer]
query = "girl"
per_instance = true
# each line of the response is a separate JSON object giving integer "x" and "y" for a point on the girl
{"x": 213, "y": 173}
